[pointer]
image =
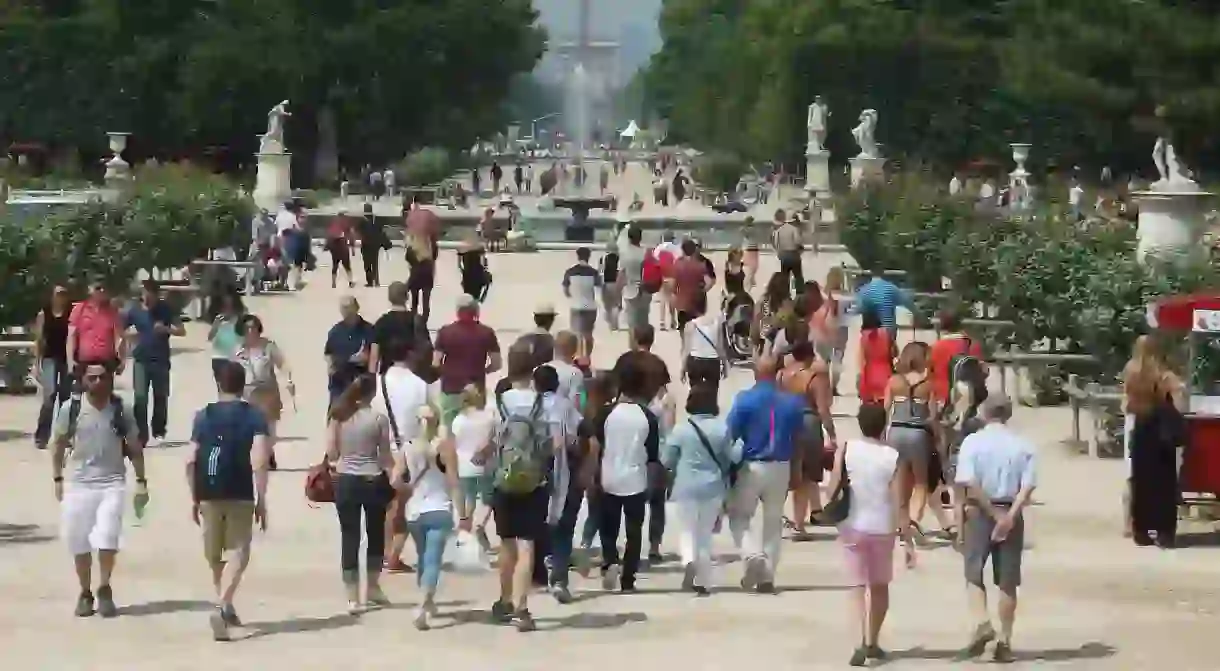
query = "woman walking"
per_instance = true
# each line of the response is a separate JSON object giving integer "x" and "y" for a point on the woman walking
{"x": 340, "y": 239}
{"x": 701, "y": 454}
{"x": 429, "y": 462}
{"x": 223, "y": 332}
{"x": 262, "y": 358}
{"x": 908, "y": 400}
{"x": 703, "y": 352}
{"x": 473, "y": 429}
{"x": 472, "y": 265}
{"x": 1152, "y": 394}
{"x": 421, "y": 255}
{"x": 51, "y": 361}
{"x": 869, "y": 468}
{"x": 358, "y": 445}
{"x": 834, "y": 294}
{"x": 766, "y": 322}
{"x": 876, "y": 358}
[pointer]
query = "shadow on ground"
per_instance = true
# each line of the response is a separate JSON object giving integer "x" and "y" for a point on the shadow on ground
{"x": 10, "y": 434}
{"x": 20, "y": 534}
{"x": 165, "y": 607}
{"x": 1091, "y": 650}
{"x": 298, "y": 625}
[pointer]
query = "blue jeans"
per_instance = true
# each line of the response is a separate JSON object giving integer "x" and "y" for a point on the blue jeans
{"x": 430, "y": 533}
{"x": 561, "y": 535}
{"x": 56, "y": 380}
{"x": 147, "y": 375}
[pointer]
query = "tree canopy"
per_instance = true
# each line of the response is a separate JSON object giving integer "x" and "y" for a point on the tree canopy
{"x": 954, "y": 80}
{"x": 185, "y": 75}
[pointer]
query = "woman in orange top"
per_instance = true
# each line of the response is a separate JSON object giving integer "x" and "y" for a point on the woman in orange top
{"x": 876, "y": 358}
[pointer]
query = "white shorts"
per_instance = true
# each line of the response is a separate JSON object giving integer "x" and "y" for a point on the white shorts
{"x": 91, "y": 517}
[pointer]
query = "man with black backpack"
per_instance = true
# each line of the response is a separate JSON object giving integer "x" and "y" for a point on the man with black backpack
{"x": 227, "y": 473}
{"x": 94, "y": 435}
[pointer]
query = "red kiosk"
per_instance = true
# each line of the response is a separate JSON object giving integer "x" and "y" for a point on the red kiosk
{"x": 1198, "y": 317}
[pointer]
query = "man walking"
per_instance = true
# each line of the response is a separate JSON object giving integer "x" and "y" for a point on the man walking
{"x": 996, "y": 468}
{"x": 768, "y": 421}
{"x": 372, "y": 241}
{"x": 347, "y": 347}
{"x": 466, "y": 352}
{"x": 636, "y": 301}
{"x": 690, "y": 281}
{"x": 581, "y": 283}
{"x": 398, "y": 324}
{"x": 98, "y": 429}
{"x": 227, "y": 474}
{"x": 153, "y": 322}
{"x": 788, "y": 242}
{"x": 95, "y": 333}
{"x": 883, "y": 297}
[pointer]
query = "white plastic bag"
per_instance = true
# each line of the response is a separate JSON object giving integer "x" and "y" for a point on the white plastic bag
{"x": 465, "y": 555}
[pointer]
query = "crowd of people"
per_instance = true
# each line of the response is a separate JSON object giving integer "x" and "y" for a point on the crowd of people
{"x": 420, "y": 445}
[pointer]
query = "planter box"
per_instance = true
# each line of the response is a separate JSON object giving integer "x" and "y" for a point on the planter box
{"x": 16, "y": 365}
{"x": 426, "y": 195}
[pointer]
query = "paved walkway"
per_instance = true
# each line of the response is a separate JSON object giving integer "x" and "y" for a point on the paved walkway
{"x": 1091, "y": 601}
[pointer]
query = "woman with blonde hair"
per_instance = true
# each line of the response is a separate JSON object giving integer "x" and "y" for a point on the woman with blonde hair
{"x": 421, "y": 256}
{"x": 427, "y": 467}
{"x": 472, "y": 432}
{"x": 358, "y": 445}
{"x": 1151, "y": 397}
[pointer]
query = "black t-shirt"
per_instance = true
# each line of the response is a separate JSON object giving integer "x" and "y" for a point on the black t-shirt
{"x": 406, "y": 326}
{"x": 610, "y": 267}
{"x": 652, "y": 365}
{"x": 542, "y": 347}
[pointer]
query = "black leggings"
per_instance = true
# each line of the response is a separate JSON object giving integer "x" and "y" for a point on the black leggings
{"x": 613, "y": 510}
{"x": 371, "y": 495}
{"x": 340, "y": 256}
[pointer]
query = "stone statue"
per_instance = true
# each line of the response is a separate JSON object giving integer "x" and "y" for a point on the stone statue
{"x": 815, "y": 123}
{"x": 273, "y": 141}
{"x": 1172, "y": 173}
{"x": 864, "y": 134}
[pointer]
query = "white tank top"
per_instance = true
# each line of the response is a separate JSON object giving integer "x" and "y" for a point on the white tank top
{"x": 430, "y": 491}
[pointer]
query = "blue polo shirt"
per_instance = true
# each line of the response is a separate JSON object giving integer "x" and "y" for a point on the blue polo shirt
{"x": 151, "y": 347}
{"x": 883, "y": 297}
{"x": 342, "y": 343}
{"x": 767, "y": 420}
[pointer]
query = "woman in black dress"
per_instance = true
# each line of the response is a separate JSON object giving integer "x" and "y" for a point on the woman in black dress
{"x": 472, "y": 265}
{"x": 1151, "y": 391}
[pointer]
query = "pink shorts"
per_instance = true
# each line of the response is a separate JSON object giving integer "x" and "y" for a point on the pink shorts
{"x": 870, "y": 557}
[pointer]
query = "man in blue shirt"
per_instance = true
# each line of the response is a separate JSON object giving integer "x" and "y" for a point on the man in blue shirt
{"x": 153, "y": 321}
{"x": 767, "y": 421}
{"x": 347, "y": 347}
{"x": 882, "y": 297}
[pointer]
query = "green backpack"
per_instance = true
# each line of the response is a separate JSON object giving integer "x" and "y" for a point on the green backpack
{"x": 524, "y": 455}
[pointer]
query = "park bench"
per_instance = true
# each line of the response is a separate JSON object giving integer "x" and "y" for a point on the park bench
{"x": 1101, "y": 402}
{"x": 247, "y": 270}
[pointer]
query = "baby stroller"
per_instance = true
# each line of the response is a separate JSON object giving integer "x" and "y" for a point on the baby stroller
{"x": 738, "y": 312}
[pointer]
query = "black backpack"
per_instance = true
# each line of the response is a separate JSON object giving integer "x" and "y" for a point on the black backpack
{"x": 223, "y": 468}
{"x": 118, "y": 421}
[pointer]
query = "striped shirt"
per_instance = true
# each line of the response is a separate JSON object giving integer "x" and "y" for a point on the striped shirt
{"x": 883, "y": 297}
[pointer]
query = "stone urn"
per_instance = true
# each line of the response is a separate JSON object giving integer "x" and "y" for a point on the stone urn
{"x": 116, "y": 167}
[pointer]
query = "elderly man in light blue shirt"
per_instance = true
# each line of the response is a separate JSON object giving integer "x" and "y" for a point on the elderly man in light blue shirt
{"x": 995, "y": 480}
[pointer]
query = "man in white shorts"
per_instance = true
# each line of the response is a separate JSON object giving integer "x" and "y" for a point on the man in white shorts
{"x": 94, "y": 434}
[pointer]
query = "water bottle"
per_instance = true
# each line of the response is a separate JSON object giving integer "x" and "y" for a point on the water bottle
{"x": 140, "y": 505}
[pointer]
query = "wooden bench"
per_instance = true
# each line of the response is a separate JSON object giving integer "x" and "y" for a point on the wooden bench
{"x": 16, "y": 348}
{"x": 1096, "y": 399}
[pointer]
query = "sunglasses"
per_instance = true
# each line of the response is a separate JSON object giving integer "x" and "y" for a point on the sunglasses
{"x": 95, "y": 377}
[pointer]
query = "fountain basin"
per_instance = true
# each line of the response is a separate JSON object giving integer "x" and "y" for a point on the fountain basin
{"x": 1171, "y": 222}
{"x": 579, "y": 229}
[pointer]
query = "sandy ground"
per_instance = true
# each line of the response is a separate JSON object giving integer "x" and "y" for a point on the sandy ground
{"x": 1091, "y": 600}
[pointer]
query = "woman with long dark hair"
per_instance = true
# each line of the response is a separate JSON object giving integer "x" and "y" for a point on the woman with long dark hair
{"x": 876, "y": 358}
{"x": 358, "y": 445}
{"x": 775, "y": 297}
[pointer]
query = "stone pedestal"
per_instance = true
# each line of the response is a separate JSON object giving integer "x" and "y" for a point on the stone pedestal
{"x": 817, "y": 171}
{"x": 867, "y": 170}
{"x": 1171, "y": 222}
{"x": 273, "y": 183}
{"x": 117, "y": 169}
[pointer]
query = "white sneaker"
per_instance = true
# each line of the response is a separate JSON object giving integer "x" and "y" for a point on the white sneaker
{"x": 610, "y": 577}
{"x": 154, "y": 443}
{"x": 421, "y": 619}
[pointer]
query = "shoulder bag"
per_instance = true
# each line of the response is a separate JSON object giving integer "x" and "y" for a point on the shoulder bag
{"x": 838, "y": 507}
{"x": 730, "y": 471}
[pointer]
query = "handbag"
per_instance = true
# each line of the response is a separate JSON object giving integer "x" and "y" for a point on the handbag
{"x": 838, "y": 507}
{"x": 320, "y": 484}
{"x": 729, "y": 472}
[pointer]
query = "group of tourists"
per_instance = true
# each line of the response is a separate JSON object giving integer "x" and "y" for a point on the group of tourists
{"x": 419, "y": 446}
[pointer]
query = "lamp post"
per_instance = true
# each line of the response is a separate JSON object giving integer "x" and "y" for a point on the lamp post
{"x": 534, "y": 124}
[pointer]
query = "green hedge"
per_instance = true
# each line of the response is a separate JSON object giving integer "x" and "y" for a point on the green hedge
{"x": 1068, "y": 288}
{"x": 168, "y": 217}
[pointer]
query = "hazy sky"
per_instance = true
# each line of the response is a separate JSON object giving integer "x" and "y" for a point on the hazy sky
{"x": 633, "y": 23}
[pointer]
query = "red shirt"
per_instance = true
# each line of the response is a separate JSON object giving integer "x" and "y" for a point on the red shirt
{"x": 688, "y": 275}
{"x": 97, "y": 329}
{"x": 466, "y": 346}
{"x": 339, "y": 229}
{"x": 942, "y": 353}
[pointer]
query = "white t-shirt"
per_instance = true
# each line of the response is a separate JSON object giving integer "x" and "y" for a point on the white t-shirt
{"x": 430, "y": 489}
{"x": 571, "y": 379}
{"x": 472, "y": 429}
{"x": 408, "y": 393}
{"x": 870, "y": 467}
{"x": 521, "y": 401}
{"x": 285, "y": 220}
{"x": 701, "y": 334}
{"x": 624, "y": 450}
{"x": 1075, "y": 195}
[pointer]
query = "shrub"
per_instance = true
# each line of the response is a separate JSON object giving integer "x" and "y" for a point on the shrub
{"x": 426, "y": 166}
{"x": 719, "y": 171}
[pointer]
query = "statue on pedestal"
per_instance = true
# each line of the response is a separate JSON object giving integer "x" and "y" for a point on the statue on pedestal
{"x": 815, "y": 123}
{"x": 1173, "y": 175}
{"x": 273, "y": 141}
{"x": 864, "y": 134}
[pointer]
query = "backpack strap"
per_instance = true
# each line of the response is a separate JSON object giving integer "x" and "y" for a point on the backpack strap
{"x": 652, "y": 442}
{"x": 707, "y": 445}
{"x": 74, "y": 406}
{"x": 389, "y": 411}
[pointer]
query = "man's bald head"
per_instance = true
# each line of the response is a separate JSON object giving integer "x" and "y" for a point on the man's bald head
{"x": 766, "y": 368}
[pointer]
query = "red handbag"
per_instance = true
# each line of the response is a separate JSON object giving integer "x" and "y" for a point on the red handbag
{"x": 320, "y": 484}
